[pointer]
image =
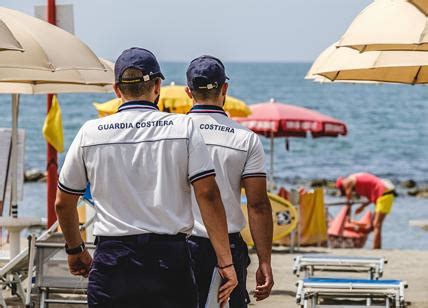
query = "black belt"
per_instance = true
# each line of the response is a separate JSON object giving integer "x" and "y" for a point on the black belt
{"x": 148, "y": 236}
{"x": 390, "y": 192}
{"x": 235, "y": 236}
{"x": 232, "y": 237}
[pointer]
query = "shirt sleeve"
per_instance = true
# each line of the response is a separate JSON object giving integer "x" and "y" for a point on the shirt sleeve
{"x": 255, "y": 164}
{"x": 200, "y": 163}
{"x": 73, "y": 177}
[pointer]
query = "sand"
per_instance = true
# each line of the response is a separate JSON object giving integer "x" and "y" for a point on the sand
{"x": 408, "y": 265}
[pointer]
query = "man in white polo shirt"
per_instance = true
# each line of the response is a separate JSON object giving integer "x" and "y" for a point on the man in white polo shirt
{"x": 238, "y": 158}
{"x": 140, "y": 163}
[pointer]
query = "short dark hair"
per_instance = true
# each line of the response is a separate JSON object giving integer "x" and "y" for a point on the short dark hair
{"x": 137, "y": 89}
{"x": 207, "y": 94}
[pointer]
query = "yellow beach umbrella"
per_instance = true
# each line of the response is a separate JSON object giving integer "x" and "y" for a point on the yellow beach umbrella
{"x": 107, "y": 108}
{"x": 236, "y": 108}
{"x": 174, "y": 99}
{"x": 389, "y": 25}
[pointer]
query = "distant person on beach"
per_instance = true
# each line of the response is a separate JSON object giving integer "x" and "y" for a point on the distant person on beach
{"x": 377, "y": 191}
{"x": 141, "y": 164}
{"x": 239, "y": 161}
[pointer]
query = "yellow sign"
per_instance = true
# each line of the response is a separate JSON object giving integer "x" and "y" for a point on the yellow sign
{"x": 284, "y": 217}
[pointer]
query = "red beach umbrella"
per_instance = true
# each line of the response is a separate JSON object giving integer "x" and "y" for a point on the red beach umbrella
{"x": 273, "y": 119}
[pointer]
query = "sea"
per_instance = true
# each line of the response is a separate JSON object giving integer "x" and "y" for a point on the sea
{"x": 387, "y": 134}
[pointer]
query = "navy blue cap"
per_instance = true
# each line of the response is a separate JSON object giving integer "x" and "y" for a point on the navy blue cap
{"x": 205, "y": 72}
{"x": 138, "y": 58}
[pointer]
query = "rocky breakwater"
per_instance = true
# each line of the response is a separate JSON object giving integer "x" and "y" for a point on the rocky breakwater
{"x": 34, "y": 175}
{"x": 405, "y": 187}
{"x": 415, "y": 189}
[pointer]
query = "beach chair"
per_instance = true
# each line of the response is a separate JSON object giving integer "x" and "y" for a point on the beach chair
{"x": 328, "y": 292}
{"x": 309, "y": 264}
{"x": 343, "y": 232}
{"x": 15, "y": 271}
{"x": 53, "y": 281}
{"x": 12, "y": 274}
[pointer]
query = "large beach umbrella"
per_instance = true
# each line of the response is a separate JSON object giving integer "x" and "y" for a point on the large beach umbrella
{"x": 320, "y": 61}
{"x": 50, "y": 60}
{"x": 7, "y": 40}
{"x": 46, "y": 49}
{"x": 389, "y": 25}
{"x": 347, "y": 64}
{"x": 88, "y": 82}
{"x": 421, "y": 5}
{"x": 174, "y": 99}
{"x": 273, "y": 119}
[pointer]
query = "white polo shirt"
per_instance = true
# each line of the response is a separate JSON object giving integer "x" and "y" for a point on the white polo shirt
{"x": 237, "y": 153}
{"x": 140, "y": 163}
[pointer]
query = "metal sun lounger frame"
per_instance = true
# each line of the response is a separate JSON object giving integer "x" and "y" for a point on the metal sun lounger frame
{"x": 311, "y": 263}
{"x": 44, "y": 253}
{"x": 49, "y": 255}
{"x": 15, "y": 271}
{"x": 310, "y": 290}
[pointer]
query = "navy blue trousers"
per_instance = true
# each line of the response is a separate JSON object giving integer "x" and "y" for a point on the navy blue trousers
{"x": 204, "y": 261}
{"x": 145, "y": 270}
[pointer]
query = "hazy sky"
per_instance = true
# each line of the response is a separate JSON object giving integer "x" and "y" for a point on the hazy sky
{"x": 234, "y": 30}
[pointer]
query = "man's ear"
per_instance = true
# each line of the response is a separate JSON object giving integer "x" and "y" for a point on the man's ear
{"x": 224, "y": 88}
{"x": 188, "y": 92}
{"x": 158, "y": 85}
{"x": 117, "y": 91}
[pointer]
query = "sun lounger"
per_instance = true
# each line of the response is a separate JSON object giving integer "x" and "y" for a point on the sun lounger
{"x": 309, "y": 264}
{"x": 53, "y": 276}
{"x": 318, "y": 292}
{"x": 15, "y": 271}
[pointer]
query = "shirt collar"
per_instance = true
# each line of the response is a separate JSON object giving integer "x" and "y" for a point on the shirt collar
{"x": 138, "y": 105}
{"x": 207, "y": 109}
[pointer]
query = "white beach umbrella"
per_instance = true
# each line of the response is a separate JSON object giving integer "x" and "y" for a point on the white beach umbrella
{"x": 389, "y": 25}
{"x": 347, "y": 64}
{"x": 7, "y": 40}
{"x": 323, "y": 59}
{"x": 46, "y": 48}
{"x": 56, "y": 86}
{"x": 319, "y": 61}
{"x": 421, "y": 5}
{"x": 50, "y": 60}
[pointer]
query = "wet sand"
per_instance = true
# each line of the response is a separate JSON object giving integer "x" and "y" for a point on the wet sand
{"x": 408, "y": 265}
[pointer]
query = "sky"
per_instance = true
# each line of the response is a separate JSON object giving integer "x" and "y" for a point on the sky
{"x": 233, "y": 30}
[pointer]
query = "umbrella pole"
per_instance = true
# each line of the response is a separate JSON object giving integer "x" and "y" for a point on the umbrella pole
{"x": 272, "y": 149}
{"x": 14, "y": 156}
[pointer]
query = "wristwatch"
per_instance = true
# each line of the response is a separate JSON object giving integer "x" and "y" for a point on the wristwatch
{"x": 75, "y": 250}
